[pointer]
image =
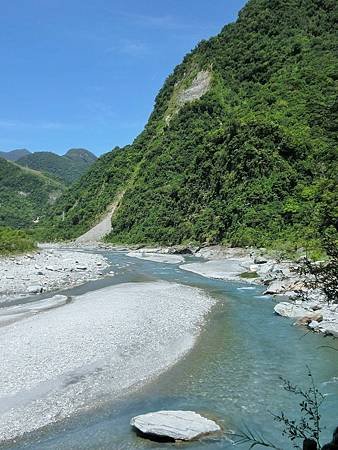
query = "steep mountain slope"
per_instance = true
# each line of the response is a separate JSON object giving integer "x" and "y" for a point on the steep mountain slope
{"x": 24, "y": 194}
{"x": 88, "y": 198}
{"x": 241, "y": 147}
{"x": 14, "y": 155}
{"x": 68, "y": 168}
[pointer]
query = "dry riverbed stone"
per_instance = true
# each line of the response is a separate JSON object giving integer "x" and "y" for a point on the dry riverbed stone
{"x": 173, "y": 426}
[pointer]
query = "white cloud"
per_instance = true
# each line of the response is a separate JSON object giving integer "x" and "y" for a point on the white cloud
{"x": 130, "y": 48}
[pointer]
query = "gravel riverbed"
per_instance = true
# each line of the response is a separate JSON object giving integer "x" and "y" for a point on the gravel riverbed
{"x": 48, "y": 269}
{"x": 100, "y": 345}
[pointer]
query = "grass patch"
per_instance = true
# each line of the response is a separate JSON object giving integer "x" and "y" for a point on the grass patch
{"x": 249, "y": 275}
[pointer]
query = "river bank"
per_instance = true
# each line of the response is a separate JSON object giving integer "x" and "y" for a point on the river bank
{"x": 86, "y": 362}
{"x": 48, "y": 269}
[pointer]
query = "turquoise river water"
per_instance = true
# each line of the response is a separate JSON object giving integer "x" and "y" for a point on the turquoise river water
{"x": 231, "y": 374}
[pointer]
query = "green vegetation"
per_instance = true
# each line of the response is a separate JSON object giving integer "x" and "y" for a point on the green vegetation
{"x": 88, "y": 198}
{"x": 323, "y": 274}
{"x": 251, "y": 162}
{"x": 304, "y": 431}
{"x": 14, "y": 241}
{"x": 249, "y": 275}
{"x": 14, "y": 155}
{"x": 81, "y": 155}
{"x": 24, "y": 195}
{"x": 67, "y": 168}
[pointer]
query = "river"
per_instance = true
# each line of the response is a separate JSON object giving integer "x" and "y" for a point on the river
{"x": 232, "y": 374}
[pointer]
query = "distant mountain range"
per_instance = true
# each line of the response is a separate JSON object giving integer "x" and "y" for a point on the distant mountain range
{"x": 14, "y": 155}
{"x": 67, "y": 168}
{"x": 25, "y": 194}
{"x": 30, "y": 182}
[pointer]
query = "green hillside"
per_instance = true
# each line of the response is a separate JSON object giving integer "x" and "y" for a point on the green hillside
{"x": 24, "y": 195}
{"x": 14, "y": 155}
{"x": 241, "y": 147}
{"x": 67, "y": 168}
{"x": 81, "y": 155}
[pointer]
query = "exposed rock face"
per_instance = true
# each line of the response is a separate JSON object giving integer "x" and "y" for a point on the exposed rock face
{"x": 199, "y": 87}
{"x": 104, "y": 227}
{"x": 174, "y": 425}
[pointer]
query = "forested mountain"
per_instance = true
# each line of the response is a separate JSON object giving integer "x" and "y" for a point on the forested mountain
{"x": 81, "y": 155}
{"x": 14, "y": 155}
{"x": 24, "y": 195}
{"x": 67, "y": 168}
{"x": 241, "y": 147}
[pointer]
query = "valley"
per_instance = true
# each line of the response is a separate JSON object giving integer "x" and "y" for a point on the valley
{"x": 191, "y": 271}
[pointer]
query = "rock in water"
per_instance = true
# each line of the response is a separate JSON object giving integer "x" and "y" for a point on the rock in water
{"x": 174, "y": 425}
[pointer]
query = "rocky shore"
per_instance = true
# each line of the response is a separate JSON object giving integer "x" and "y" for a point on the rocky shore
{"x": 309, "y": 307}
{"x": 49, "y": 269}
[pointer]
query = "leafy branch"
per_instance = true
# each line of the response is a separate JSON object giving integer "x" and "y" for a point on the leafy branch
{"x": 307, "y": 429}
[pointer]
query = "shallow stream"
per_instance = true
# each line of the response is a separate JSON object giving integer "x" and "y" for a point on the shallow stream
{"x": 232, "y": 373}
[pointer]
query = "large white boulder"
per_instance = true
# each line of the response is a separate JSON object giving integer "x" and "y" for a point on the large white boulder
{"x": 174, "y": 425}
{"x": 284, "y": 286}
{"x": 276, "y": 287}
{"x": 286, "y": 309}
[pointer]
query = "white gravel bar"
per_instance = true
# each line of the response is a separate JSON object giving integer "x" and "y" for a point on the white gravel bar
{"x": 157, "y": 257}
{"x": 46, "y": 270}
{"x": 98, "y": 347}
{"x": 223, "y": 269}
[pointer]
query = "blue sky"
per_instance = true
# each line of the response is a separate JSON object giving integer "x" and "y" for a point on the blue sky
{"x": 84, "y": 73}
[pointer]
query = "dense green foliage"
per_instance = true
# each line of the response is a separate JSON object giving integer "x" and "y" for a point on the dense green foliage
{"x": 81, "y": 155}
{"x": 67, "y": 168}
{"x": 14, "y": 241}
{"x": 24, "y": 194}
{"x": 89, "y": 197}
{"x": 14, "y": 155}
{"x": 252, "y": 162}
